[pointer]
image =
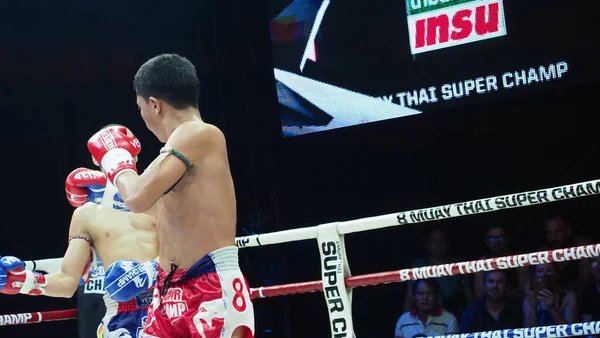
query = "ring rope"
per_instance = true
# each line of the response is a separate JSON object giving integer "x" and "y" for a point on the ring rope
{"x": 552, "y": 331}
{"x": 436, "y": 271}
{"x": 37, "y": 317}
{"x": 432, "y": 271}
{"x": 473, "y": 207}
{"x": 47, "y": 265}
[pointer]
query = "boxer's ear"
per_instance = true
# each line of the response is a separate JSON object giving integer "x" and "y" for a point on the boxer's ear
{"x": 155, "y": 105}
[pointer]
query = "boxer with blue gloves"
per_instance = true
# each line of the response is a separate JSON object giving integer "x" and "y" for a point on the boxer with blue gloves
{"x": 81, "y": 185}
{"x": 102, "y": 221}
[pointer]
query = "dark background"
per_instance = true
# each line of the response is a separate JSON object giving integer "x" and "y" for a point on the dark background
{"x": 66, "y": 69}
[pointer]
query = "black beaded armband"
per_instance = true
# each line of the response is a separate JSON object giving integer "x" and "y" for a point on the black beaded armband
{"x": 188, "y": 164}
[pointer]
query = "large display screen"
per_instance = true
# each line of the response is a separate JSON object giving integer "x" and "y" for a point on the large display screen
{"x": 342, "y": 63}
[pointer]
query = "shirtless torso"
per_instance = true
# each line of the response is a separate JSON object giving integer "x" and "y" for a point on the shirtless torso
{"x": 118, "y": 235}
{"x": 196, "y": 223}
{"x": 190, "y": 184}
{"x": 199, "y": 214}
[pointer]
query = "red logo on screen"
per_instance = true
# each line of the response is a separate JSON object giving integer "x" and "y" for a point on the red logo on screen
{"x": 452, "y": 25}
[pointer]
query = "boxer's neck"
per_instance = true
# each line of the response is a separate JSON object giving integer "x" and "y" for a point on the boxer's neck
{"x": 176, "y": 117}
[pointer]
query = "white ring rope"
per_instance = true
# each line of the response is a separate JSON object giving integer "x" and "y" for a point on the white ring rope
{"x": 552, "y": 331}
{"x": 49, "y": 265}
{"x": 473, "y": 207}
{"x": 479, "y": 206}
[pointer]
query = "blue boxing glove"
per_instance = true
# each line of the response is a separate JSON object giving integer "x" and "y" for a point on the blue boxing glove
{"x": 123, "y": 280}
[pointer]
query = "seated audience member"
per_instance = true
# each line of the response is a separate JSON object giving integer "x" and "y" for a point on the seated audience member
{"x": 574, "y": 275}
{"x": 498, "y": 244}
{"x": 455, "y": 292}
{"x": 590, "y": 299}
{"x": 427, "y": 318}
{"x": 495, "y": 311}
{"x": 546, "y": 303}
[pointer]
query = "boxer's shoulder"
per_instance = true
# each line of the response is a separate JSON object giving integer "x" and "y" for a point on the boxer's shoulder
{"x": 193, "y": 141}
{"x": 197, "y": 130}
{"x": 82, "y": 219}
{"x": 86, "y": 213}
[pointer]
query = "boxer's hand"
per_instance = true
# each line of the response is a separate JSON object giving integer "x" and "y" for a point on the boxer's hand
{"x": 83, "y": 185}
{"x": 123, "y": 280}
{"x": 15, "y": 279}
{"x": 113, "y": 148}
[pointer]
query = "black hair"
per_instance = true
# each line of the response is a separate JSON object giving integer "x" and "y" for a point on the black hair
{"x": 168, "y": 77}
{"x": 494, "y": 226}
{"x": 433, "y": 229}
{"x": 429, "y": 282}
{"x": 486, "y": 273}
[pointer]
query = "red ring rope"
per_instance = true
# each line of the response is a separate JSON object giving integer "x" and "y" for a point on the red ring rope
{"x": 37, "y": 317}
{"x": 459, "y": 268}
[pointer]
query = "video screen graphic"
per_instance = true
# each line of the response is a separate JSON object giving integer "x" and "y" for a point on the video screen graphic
{"x": 343, "y": 63}
{"x": 446, "y": 24}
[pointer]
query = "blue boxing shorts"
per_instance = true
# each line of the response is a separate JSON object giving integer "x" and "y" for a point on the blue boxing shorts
{"x": 127, "y": 319}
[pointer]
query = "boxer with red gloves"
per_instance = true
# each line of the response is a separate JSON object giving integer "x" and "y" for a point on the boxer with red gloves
{"x": 200, "y": 290}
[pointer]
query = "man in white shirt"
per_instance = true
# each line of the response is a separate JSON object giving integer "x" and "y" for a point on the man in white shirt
{"x": 426, "y": 318}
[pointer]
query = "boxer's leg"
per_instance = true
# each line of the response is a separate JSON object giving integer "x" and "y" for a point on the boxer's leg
{"x": 222, "y": 303}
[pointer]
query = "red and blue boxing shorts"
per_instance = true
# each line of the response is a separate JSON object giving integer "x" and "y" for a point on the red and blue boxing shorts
{"x": 125, "y": 319}
{"x": 211, "y": 299}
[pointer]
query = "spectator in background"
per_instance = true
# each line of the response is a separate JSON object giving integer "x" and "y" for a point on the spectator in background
{"x": 498, "y": 244}
{"x": 546, "y": 303}
{"x": 495, "y": 311}
{"x": 455, "y": 292}
{"x": 590, "y": 299}
{"x": 574, "y": 275}
{"x": 426, "y": 318}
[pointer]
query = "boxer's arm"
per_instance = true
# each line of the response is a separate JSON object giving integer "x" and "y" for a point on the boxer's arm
{"x": 193, "y": 141}
{"x": 64, "y": 283}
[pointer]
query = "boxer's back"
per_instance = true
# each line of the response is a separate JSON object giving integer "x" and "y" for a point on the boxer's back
{"x": 118, "y": 235}
{"x": 199, "y": 214}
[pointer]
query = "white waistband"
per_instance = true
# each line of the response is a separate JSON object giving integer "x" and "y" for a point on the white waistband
{"x": 225, "y": 258}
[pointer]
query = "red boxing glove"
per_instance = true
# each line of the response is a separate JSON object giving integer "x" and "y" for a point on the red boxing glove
{"x": 114, "y": 148}
{"x": 18, "y": 280}
{"x": 85, "y": 185}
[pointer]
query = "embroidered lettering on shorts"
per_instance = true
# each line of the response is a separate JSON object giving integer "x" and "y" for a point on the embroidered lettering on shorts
{"x": 144, "y": 299}
{"x": 173, "y": 303}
